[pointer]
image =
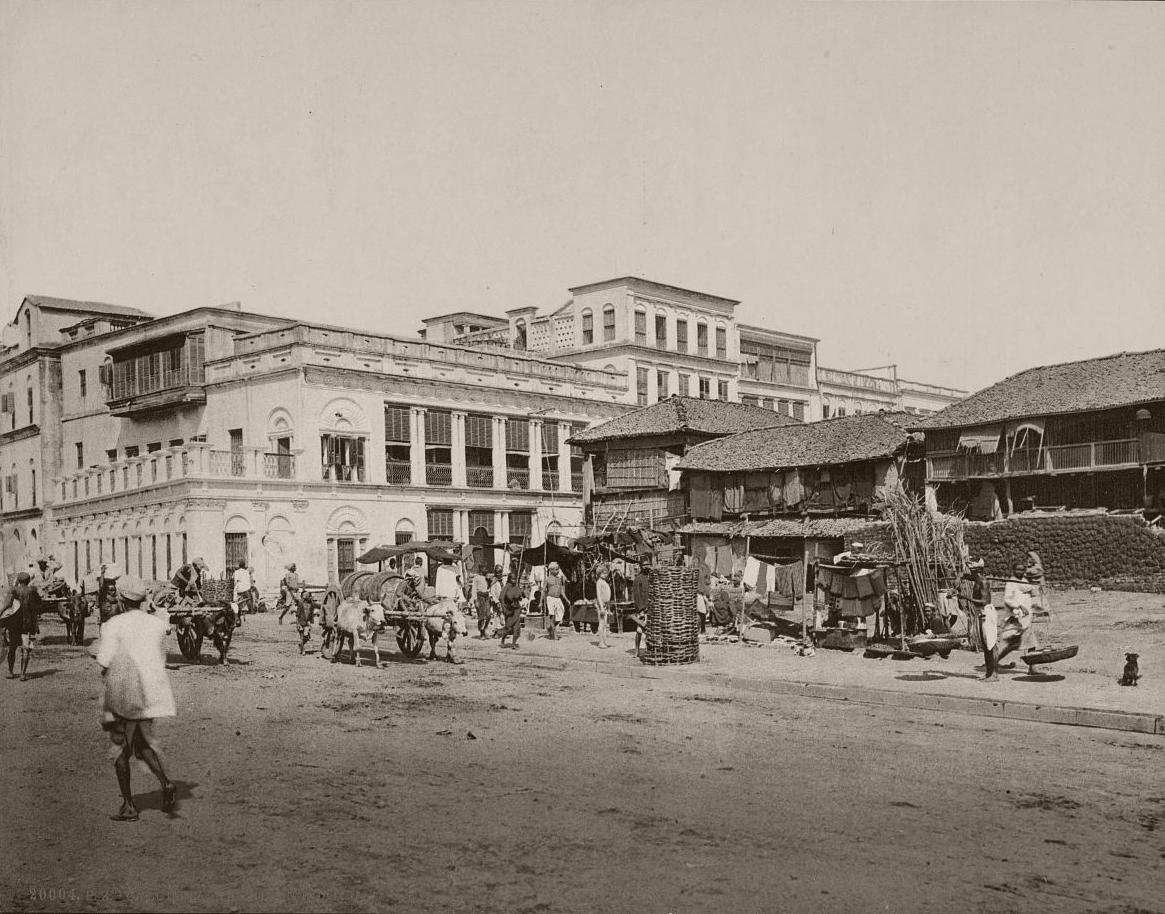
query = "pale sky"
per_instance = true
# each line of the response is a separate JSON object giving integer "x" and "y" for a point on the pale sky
{"x": 963, "y": 189}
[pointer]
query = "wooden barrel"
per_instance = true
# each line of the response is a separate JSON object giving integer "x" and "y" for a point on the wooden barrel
{"x": 673, "y": 624}
{"x": 348, "y": 586}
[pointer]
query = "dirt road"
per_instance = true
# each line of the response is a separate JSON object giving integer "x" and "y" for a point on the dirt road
{"x": 310, "y": 786}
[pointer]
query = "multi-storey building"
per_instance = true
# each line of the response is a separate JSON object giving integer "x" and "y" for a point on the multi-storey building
{"x": 676, "y": 341}
{"x": 244, "y": 437}
{"x": 31, "y": 411}
{"x": 1088, "y": 434}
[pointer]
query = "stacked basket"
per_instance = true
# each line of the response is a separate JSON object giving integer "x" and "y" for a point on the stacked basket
{"x": 673, "y": 626}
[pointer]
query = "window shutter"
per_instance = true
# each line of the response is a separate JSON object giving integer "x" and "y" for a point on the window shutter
{"x": 478, "y": 431}
{"x": 396, "y": 424}
{"x": 439, "y": 428}
{"x": 518, "y": 435}
{"x": 549, "y": 438}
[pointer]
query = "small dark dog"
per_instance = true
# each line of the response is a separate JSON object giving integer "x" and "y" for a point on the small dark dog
{"x": 1132, "y": 671}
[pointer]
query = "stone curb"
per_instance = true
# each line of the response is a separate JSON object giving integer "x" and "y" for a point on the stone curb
{"x": 1128, "y": 721}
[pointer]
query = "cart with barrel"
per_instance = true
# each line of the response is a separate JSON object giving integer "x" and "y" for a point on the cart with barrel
{"x": 404, "y": 607}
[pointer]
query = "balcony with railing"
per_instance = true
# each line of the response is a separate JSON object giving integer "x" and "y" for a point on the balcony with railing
{"x": 167, "y": 377}
{"x": 1058, "y": 458}
{"x": 517, "y": 478}
{"x": 479, "y": 477}
{"x": 398, "y": 472}
{"x": 278, "y": 466}
{"x": 170, "y": 465}
{"x": 439, "y": 474}
{"x": 576, "y": 482}
{"x": 550, "y": 480}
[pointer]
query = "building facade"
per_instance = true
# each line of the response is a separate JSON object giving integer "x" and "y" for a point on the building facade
{"x": 1088, "y": 434}
{"x": 673, "y": 341}
{"x": 244, "y": 437}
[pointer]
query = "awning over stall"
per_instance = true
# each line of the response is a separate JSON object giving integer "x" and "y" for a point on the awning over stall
{"x": 984, "y": 439}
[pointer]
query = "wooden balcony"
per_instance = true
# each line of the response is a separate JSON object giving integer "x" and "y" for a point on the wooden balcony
{"x": 1061, "y": 458}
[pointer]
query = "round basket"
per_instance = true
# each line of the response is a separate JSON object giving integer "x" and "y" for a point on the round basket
{"x": 1049, "y": 654}
{"x": 929, "y": 645}
{"x": 673, "y": 625}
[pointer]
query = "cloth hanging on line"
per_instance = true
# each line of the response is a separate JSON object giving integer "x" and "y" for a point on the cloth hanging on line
{"x": 789, "y": 580}
{"x": 724, "y": 561}
{"x": 757, "y": 575}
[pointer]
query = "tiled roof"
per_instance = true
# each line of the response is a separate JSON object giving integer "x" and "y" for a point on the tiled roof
{"x": 88, "y": 307}
{"x": 1125, "y": 379}
{"x": 831, "y": 441}
{"x": 815, "y": 527}
{"x": 684, "y": 414}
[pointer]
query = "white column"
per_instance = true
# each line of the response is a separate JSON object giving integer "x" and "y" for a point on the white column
{"x": 563, "y": 457}
{"x": 417, "y": 445}
{"x": 458, "y": 448}
{"x": 499, "y": 452}
{"x": 501, "y": 530}
{"x": 535, "y": 455}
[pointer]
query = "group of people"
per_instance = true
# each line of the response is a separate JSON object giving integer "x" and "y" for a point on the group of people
{"x": 20, "y": 608}
{"x": 496, "y": 597}
{"x": 1026, "y": 581}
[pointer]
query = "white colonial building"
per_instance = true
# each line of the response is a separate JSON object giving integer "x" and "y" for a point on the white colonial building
{"x": 244, "y": 437}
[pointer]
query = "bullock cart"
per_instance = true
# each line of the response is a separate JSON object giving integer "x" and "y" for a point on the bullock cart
{"x": 193, "y": 619}
{"x": 403, "y": 609}
{"x": 404, "y": 606}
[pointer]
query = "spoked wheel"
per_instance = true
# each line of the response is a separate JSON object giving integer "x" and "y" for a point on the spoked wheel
{"x": 190, "y": 639}
{"x": 410, "y": 638}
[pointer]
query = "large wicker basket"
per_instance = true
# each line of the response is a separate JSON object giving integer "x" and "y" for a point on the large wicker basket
{"x": 216, "y": 591}
{"x": 673, "y": 625}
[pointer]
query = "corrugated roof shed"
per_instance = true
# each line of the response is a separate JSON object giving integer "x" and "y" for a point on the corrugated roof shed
{"x": 842, "y": 440}
{"x": 684, "y": 414}
{"x": 1124, "y": 379}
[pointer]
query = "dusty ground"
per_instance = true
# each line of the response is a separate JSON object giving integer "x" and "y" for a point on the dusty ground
{"x": 308, "y": 786}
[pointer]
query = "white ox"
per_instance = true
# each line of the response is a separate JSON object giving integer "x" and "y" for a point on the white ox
{"x": 444, "y": 620}
{"x": 353, "y": 619}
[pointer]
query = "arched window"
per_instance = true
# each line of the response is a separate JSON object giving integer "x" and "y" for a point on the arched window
{"x": 640, "y": 327}
{"x": 404, "y": 531}
{"x": 702, "y": 338}
{"x": 721, "y": 342}
{"x": 588, "y": 327}
{"x": 609, "y": 323}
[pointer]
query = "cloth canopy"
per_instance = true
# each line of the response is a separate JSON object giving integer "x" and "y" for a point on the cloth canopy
{"x": 985, "y": 439}
{"x": 442, "y": 551}
{"x": 545, "y": 553}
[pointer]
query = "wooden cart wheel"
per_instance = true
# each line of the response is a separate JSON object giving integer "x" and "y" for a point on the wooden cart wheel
{"x": 190, "y": 639}
{"x": 410, "y": 638}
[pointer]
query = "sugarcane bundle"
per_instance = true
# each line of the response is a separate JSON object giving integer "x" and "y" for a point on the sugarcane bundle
{"x": 929, "y": 545}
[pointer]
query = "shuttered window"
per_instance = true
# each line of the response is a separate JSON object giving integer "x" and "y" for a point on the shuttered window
{"x": 521, "y": 527}
{"x": 721, "y": 343}
{"x": 635, "y": 469}
{"x": 518, "y": 436}
{"x": 482, "y": 520}
{"x": 440, "y": 524}
{"x": 641, "y": 328}
{"x": 397, "y": 424}
{"x": 549, "y": 438}
{"x": 479, "y": 431}
{"x": 439, "y": 428}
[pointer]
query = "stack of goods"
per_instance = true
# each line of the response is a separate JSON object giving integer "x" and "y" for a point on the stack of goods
{"x": 215, "y": 591}
{"x": 854, "y": 593}
{"x": 673, "y": 625}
